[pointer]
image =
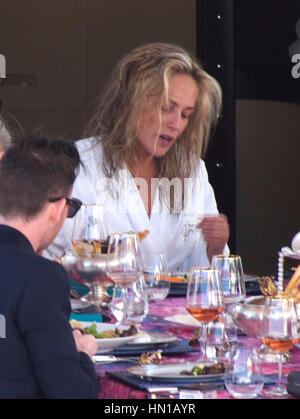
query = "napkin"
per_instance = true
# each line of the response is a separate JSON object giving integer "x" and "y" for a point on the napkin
{"x": 86, "y": 317}
{"x": 184, "y": 319}
{"x": 81, "y": 289}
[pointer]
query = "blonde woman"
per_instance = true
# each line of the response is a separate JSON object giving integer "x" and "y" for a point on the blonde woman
{"x": 143, "y": 156}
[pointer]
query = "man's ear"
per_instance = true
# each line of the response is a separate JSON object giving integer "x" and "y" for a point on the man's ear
{"x": 57, "y": 210}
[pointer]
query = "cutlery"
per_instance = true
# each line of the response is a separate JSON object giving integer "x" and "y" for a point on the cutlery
{"x": 99, "y": 359}
{"x": 199, "y": 386}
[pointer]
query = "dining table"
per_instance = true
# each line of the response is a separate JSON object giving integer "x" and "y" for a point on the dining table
{"x": 116, "y": 384}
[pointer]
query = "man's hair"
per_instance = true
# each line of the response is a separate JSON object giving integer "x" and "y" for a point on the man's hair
{"x": 33, "y": 170}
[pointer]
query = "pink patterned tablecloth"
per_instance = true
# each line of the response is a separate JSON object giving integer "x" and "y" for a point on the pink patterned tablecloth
{"x": 114, "y": 389}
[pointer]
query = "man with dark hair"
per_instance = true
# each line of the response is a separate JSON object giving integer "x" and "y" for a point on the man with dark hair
{"x": 40, "y": 356}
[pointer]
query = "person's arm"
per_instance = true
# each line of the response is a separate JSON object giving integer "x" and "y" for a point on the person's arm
{"x": 62, "y": 371}
{"x": 215, "y": 230}
{"x": 214, "y": 226}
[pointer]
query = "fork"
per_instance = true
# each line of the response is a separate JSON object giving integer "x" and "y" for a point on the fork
{"x": 101, "y": 359}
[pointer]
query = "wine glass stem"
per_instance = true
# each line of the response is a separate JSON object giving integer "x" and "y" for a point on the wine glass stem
{"x": 125, "y": 297}
{"x": 204, "y": 336}
{"x": 280, "y": 371}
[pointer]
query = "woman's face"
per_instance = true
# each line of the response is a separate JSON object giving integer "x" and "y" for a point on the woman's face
{"x": 156, "y": 137}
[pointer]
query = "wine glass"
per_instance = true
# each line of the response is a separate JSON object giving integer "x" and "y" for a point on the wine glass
{"x": 123, "y": 263}
{"x": 231, "y": 276}
{"x": 204, "y": 298}
{"x": 130, "y": 304}
{"x": 156, "y": 276}
{"x": 123, "y": 258}
{"x": 85, "y": 263}
{"x": 222, "y": 339}
{"x": 87, "y": 234}
{"x": 279, "y": 333}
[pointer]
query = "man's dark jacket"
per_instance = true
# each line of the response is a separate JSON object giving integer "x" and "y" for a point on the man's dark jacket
{"x": 38, "y": 356}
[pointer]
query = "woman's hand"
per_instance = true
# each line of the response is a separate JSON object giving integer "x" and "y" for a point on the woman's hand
{"x": 85, "y": 343}
{"x": 216, "y": 231}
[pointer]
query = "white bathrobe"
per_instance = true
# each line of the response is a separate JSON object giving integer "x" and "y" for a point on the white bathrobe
{"x": 174, "y": 234}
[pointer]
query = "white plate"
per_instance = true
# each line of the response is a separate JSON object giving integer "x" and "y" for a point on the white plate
{"x": 149, "y": 340}
{"x": 171, "y": 373}
{"x": 108, "y": 344}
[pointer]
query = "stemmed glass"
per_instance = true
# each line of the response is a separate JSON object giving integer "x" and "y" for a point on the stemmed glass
{"x": 123, "y": 265}
{"x": 280, "y": 333}
{"x": 130, "y": 304}
{"x": 232, "y": 282}
{"x": 87, "y": 234}
{"x": 204, "y": 299}
{"x": 85, "y": 263}
{"x": 231, "y": 276}
{"x": 156, "y": 275}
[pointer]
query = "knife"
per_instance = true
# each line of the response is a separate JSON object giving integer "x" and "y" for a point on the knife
{"x": 98, "y": 359}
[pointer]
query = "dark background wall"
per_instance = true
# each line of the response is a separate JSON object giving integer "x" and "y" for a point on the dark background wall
{"x": 60, "y": 53}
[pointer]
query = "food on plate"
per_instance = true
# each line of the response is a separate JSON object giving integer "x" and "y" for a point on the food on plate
{"x": 204, "y": 369}
{"x": 85, "y": 247}
{"x": 151, "y": 357}
{"x": 105, "y": 334}
{"x": 98, "y": 247}
{"x": 179, "y": 279}
{"x": 75, "y": 324}
{"x": 143, "y": 234}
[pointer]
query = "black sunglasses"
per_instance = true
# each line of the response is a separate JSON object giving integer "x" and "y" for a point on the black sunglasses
{"x": 74, "y": 205}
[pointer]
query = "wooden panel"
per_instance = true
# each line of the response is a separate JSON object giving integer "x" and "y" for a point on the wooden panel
{"x": 60, "y": 123}
{"x": 267, "y": 150}
{"x": 47, "y": 39}
{"x": 115, "y": 27}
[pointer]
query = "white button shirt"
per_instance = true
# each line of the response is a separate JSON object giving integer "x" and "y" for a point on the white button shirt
{"x": 124, "y": 210}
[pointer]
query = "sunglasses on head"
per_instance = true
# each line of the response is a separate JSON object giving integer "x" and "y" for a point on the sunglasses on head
{"x": 74, "y": 205}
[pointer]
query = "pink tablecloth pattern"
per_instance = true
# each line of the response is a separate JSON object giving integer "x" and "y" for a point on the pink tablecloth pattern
{"x": 114, "y": 389}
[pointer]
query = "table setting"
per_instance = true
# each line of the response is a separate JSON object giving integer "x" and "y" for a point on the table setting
{"x": 190, "y": 334}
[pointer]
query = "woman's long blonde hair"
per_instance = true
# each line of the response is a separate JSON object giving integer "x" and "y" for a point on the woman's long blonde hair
{"x": 146, "y": 71}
